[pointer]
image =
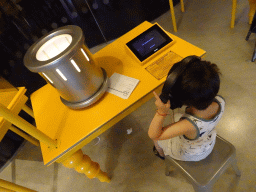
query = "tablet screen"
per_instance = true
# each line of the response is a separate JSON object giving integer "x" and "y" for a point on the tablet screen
{"x": 149, "y": 42}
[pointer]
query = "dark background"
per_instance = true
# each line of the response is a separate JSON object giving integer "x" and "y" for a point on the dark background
{"x": 23, "y": 22}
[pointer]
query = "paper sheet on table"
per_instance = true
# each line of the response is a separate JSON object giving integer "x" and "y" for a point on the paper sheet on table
{"x": 121, "y": 85}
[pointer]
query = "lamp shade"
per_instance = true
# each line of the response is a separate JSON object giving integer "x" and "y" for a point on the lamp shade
{"x": 65, "y": 62}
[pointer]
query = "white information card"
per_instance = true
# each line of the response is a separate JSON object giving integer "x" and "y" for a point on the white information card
{"x": 121, "y": 85}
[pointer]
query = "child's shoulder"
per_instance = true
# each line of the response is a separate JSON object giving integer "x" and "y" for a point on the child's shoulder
{"x": 220, "y": 99}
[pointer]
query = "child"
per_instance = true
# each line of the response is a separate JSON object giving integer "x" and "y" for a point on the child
{"x": 192, "y": 138}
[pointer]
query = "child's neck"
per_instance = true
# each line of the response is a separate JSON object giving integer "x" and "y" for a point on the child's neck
{"x": 208, "y": 113}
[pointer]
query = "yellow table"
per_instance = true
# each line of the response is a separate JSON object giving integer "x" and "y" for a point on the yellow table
{"x": 75, "y": 128}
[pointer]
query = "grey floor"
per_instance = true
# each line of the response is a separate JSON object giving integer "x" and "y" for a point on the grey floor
{"x": 128, "y": 158}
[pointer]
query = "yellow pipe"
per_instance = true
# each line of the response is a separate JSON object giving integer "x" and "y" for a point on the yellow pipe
{"x": 28, "y": 110}
{"x": 182, "y": 6}
{"x": 17, "y": 97}
{"x": 14, "y": 187}
{"x": 5, "y": 190}
{"x": 233, "y": 14}
{"x": 173, "y": 16}
{"x": 25, "y": 126}
{"x": 25, "y": 136}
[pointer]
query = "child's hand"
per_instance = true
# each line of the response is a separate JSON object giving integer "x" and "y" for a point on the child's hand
{"x": 161, "y": 107}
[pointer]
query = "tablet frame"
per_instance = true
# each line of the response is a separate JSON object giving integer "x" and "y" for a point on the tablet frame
{"x": 168, "y": 41}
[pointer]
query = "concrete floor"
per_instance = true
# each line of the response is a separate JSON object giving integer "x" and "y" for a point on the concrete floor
{"x": 128, "y": 158}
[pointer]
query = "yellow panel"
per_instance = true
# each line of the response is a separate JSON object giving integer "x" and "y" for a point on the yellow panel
{"x": 7, "y": 95}
{"x": 4, "y": 84}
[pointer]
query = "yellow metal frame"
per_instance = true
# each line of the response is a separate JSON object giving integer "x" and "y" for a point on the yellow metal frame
{"x": 25, "y": 126}
{"x": 7, "y": 186}
{"x": 15, "y": 101}
{"x": 233, "y": 13}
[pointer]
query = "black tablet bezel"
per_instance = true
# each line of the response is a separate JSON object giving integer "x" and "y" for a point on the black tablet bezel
{"x": 167, "y": 38}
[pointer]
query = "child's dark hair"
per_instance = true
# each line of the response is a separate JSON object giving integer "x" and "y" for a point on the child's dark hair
{"x": 198, "y": 85}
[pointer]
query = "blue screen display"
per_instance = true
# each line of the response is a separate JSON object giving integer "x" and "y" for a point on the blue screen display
{"x": 149, "y": 42}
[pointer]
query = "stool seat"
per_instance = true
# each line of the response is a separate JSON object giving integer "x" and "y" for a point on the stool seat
{"x": 203, "y": 174}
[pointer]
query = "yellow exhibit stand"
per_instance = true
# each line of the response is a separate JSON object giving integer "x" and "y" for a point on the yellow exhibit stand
{"x": 72, "y": 129}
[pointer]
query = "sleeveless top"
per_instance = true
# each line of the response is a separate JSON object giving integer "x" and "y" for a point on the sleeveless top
{"x": 185, "y": 149}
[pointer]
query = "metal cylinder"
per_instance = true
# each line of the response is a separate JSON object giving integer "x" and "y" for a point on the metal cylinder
{"x": 65, "y": 62}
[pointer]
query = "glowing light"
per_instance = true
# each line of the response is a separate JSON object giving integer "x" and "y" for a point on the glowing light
{"x": 61, "y": 74}
{"x": 75, "y": 65}
{"x": 53, "y": 47}
{"x": 85, "y": 55}
{"x": 47, "y": 78}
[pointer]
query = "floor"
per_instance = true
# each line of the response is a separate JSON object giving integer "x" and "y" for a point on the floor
{"x": 128, "y": 158}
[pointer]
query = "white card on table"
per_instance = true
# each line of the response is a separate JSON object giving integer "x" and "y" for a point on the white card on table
{"x": 121, "y": 85}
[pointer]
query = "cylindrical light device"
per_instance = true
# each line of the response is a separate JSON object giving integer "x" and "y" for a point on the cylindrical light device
{"x": 62, "y": 58}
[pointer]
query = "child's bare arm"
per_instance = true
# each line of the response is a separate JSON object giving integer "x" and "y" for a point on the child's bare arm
{"x": 155, "y": 128}
{"x": 181, "y": 127}
{"x": 158, "y": 132}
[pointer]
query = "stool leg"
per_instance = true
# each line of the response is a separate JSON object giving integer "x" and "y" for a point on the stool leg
{"x": 252, "y": 28}
{"x": 234, "y": 165}
{"x": 168, "y": 167}
{"x": 83, "y": 164}
{"x": 167, "y": 172}
{"x": 248, "y": 35}
{"x": 182, "y": 6}
{"x": 203, "y": 189}
{"x": 233, "y": 14}
{"x": 254, "y": 53}
{"x": 173, "y": 16}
